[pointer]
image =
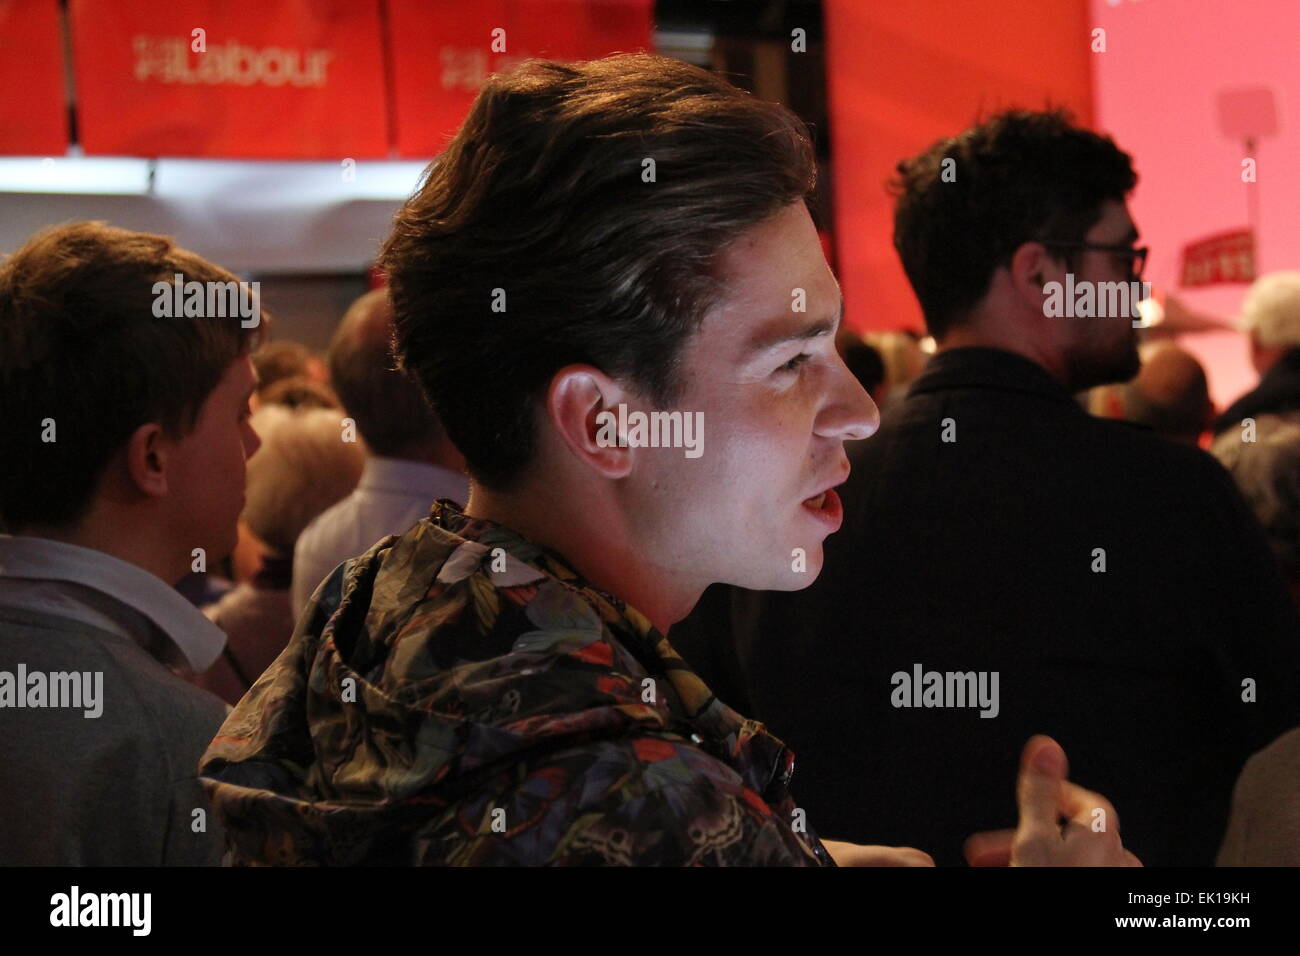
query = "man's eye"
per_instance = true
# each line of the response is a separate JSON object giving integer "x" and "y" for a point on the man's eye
{"x": 795, "y": 362}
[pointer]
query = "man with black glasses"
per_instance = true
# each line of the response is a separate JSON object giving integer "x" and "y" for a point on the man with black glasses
{"x": 1010, "y": 565}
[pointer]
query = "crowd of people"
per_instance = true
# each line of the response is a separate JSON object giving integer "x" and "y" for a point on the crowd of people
{"x": 403, "y": 603}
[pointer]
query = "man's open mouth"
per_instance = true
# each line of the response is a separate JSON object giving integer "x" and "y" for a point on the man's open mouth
{"x": 827, "y": 508}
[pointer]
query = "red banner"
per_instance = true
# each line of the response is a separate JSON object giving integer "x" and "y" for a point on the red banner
{"x": 443, "y": 50}
{"x": 277, "y": 79}
{"x": 33, "y": 106}
{"x": 1227, "y": 257}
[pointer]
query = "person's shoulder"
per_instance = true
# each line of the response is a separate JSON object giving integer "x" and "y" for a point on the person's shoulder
{"x": 181, "y": 708}
{"x": 318, "y": 541}
{"x": 1284, "y": 751}
{"x": 1124, "y": 442}
{"x": 141, "y": 698}
{"x": 181, "y": 720}
{"x": 1265, "y": 820}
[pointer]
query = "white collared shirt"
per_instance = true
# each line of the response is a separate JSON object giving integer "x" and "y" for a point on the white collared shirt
{"x": 54, "y": 577}
{"x": 392, "y": 495}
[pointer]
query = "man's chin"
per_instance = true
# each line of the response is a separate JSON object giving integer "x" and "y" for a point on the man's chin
{"x": 797, "y": 582}
{"x": 799, "y": 572}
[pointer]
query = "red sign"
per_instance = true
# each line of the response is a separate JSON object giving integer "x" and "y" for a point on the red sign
{"x": 443, "y": 50}
{"x": 279, "y": 79}
{"x": 33, "y": 105}
{"x": 1227, "y": 257}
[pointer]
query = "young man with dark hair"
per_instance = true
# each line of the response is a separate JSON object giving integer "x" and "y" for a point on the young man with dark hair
{"x": 1113, "y": 584}
{"x": 123, "y": 446}
{"x": 612, "y": 292}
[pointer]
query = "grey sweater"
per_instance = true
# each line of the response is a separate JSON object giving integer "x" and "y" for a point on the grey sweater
{"x": 118, "y": 789}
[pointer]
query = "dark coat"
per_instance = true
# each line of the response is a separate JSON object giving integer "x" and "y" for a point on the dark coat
{"x": 1278, "y": 391}
{"x": 980, "y": 554}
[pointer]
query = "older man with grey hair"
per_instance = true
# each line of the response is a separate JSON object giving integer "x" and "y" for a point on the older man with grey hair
{"x": 1271, "y": 318}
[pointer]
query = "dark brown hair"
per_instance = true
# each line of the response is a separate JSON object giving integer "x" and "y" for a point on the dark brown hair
{"x": 596, "y": 198}
{"x": 80, "y": 345}
{"x": 1018, "y": 177}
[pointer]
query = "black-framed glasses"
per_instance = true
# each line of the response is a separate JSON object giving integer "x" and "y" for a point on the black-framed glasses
{"x": 1136, "y": 255}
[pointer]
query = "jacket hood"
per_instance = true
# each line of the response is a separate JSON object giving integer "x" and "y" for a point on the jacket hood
{"x": 427, "y": 665}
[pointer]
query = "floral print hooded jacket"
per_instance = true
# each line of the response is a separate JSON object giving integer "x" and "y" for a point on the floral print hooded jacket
{"x": 459, "y": 696}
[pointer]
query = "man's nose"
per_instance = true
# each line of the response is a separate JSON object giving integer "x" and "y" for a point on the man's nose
{"x": 852, "y": 415}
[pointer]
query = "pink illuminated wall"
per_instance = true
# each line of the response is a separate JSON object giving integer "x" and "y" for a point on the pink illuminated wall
{"x": 1155, "y": 90}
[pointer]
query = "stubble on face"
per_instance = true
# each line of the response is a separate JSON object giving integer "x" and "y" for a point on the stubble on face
{"x": 1104, "y": 349}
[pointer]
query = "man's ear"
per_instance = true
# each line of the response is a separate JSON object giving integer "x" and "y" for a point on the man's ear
{"x": 1031, "y": 268}
{"x": 582, "y": 405}
{"x": 147, "y": 453}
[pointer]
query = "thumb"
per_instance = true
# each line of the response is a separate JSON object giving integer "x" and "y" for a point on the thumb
{"x": 1038, "y": 791}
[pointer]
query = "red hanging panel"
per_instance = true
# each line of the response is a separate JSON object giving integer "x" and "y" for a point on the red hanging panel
{"x": 33, "y": 110}
{"x": 277, "y": 79}
{"x": 442, "y": 51}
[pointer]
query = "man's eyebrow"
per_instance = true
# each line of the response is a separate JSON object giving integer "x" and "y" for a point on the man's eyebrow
{"x": 770, "y": 340}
